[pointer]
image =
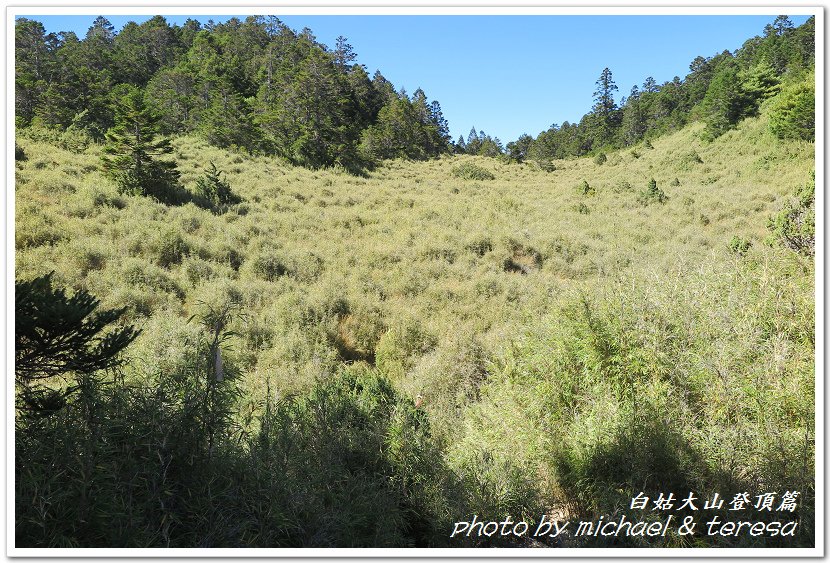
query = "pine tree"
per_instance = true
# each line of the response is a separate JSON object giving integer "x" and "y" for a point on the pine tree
{"x": 133, "y": 147}
{"x": 344, "y": 53}
{"x": 440, "y": 122}
{"x": 605, "y": 108}
{"x": 214, "y": 190}
{"x": 460, "y": 145}
{"x": 726, "y": 101}
{"x": 56, "y": 336}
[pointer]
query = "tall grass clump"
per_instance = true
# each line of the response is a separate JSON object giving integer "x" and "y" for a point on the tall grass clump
{"x": 162, "y": 458}
{"x": 699, "y": 382}
{"x": 470, "y": 171}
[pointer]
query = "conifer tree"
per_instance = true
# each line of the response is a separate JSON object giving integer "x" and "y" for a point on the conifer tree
{"x": 133, "y": 147}
{"x": 605, "y": 108}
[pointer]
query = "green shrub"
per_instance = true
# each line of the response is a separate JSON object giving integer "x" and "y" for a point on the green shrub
{"x": 268, "y": 265}
{"x": 213, "y": 191}
{"x": 586, "y": 189}
{"x": 652, "y": 194}
{"x": 600, "y": 159}
{"x": 470, "y": 171}
{"x": 546, "y": 165}
{"x": 19, "y": 153}
{"x": 795, "y": 225}
{"x": 170, "y": 248}
{"x": 739, "y": 245}
{"x": 399, "y": 347}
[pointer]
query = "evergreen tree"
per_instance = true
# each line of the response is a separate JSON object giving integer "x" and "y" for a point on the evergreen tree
{"x": 634, "y": 124}
{"x": 57, "y": 336}
{"x": 460, "y": 145}
{"x": 473, "y": 141}
{"x": 34, "y": 65}
{"x": 439, "y": 121}
{"x": 605, "y": 109}
{"x": 518, "y": 150}
{"x": 344, "y": 54}
{"x": 793, "y": 116}
{"x": 133, "y": 147}
{"x": 726, "y": 101}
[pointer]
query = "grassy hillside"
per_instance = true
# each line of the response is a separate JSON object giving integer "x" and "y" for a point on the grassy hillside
{"x": 572, "y": 341}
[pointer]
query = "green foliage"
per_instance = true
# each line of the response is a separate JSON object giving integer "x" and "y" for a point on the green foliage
{"x": 188, "y": 465}
{"x": 481, "y": 144}
{"x": 470, "y": 171}
{"x": 586, "y": 189}
{"x": 652, "y": 194}
{"x": 132, "y": 150}
{"x": 404, "y": 129}
{"x": 169, "y": 248}
{"x": 546, "y": 165}
{"x": 57, "y": 336}
{"x": 600, "y": 159}
{"x": 726, "y": 102}
{"x": 269, "y": 265}
{"x": 388, "y": 331}
{"x": 626, "y": 418}
{"x": 214, "y": 191}
{"x": 399, "y": 346}
{"x": 74, "y": 138}
{"x": 795, "y": 225}
{"x": 793, "y": 116}
{"x": 739, "y": 245}
{"x": 19, "y": 153}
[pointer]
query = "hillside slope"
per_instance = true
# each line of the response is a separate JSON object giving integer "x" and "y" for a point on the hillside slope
{"x": 551, "y": 322}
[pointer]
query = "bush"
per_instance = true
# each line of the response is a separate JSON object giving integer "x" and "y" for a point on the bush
{"x": 19, "y": 153}
{"x": 214, "y": 192}
{"x": 600, "y": 159}
{"x": 268, "y": 265}
{"x": 586, "y": 189}
{"x": 652, "y": 194}
{"x": 398, "y": 348}
{"x": 170, "y": 248}
{"x": 739, "y": 245}
{"x": 546, "y": 165}
{"x": 470, "y": 171}
{"x": 795, "y": 225}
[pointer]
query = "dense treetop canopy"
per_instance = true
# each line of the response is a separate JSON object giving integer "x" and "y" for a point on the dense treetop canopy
{"x": 259, "y": 86}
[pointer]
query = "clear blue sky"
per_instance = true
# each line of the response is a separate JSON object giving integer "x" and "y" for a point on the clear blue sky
{"x": 509, "y": 75}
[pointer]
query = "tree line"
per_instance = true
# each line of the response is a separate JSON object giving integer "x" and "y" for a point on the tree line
{"x": 255, "y": 85}
{"x": 719, "y": 90}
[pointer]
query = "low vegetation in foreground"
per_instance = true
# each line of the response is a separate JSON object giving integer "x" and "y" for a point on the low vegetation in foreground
{"x": 434, "y": 340}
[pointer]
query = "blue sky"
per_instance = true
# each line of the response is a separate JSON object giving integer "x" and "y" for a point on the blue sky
{"x": 509, "y": 75}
